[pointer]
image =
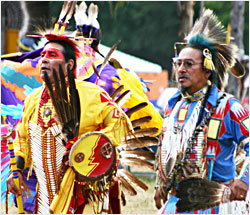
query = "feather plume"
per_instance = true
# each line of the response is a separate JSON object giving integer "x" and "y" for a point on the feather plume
{"x": 129, "y": 161}
{"x": 71, "y": 10}
{"x": 106, "y": 59}
{"x": 126, "y": 186}
{"x": 200, "y": 194}
{"x": 146, "y": 155}
{"x": 116, "y": 92}
{"x": 68, "y": 17}
{"x": 141, "y": 121}
{"x": 92, "y": 15}
{"x": 80, "y": 14}
{"x": 123, "y": 98}
{"x": 141, "y": 142}
{"x": 136, "y": 108}
{"x": 209, "y": 26}
{"x": 132, "y": 179}
{"x": 209, "y": 32}
{"x": 64, "y": 11}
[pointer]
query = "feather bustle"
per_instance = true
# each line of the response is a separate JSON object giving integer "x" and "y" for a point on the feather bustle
{"x": 141, "y": 142}
{"x": 198, "y": 194}
{"x": 137, "y": 162}
{"x": 147, "y": 155}
{"x": 141, "y": 121}
{"x": 136, "y": 108}
{"x": 116, "y": 92}
{"x": 125, "y": 185}
{"x": 133, "y": 179}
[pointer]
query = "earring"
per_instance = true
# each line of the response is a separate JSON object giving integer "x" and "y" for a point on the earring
{"x": 208, "y": 62}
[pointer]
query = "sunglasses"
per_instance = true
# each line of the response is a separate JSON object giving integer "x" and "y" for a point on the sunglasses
{"x": 187, "y": 63}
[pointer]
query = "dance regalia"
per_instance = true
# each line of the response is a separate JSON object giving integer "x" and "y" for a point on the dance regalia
{"x": 43, "y": 149}
{"x": 227, "y": 128}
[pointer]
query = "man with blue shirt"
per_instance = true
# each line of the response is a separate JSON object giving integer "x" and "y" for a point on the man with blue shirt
{"x": 203, "y": 127}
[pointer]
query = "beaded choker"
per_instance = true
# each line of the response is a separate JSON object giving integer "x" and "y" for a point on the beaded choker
{"x": 197, "y": 96}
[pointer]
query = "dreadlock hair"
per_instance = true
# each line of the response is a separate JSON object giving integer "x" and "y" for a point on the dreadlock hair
{"x": 68, "y": 51}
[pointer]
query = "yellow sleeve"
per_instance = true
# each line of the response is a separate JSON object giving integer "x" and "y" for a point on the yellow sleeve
{"x": 116, "y": 126}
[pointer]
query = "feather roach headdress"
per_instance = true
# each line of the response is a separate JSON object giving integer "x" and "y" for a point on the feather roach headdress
{"x": 219, "y": 57}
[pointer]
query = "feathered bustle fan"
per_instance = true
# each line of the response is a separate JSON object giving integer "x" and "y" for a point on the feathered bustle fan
{"x": 209, "y": 32}
{"x": 200, "y": 194}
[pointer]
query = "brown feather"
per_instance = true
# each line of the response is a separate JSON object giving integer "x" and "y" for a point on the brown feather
{"x": 141, "y": 121}
{"x": 64, "y": 11}
{"x": 146, "y": 132}
{"x": 141, "y": 142}
{"x": 238, "y": 70}
{"x": 52, "y": 96}
{"x": 106, "y": 59}
{"x": 95, "y": 70}
{"x": 146, "y": 155}
{"x": 137, "y": 162}
{"x": 133, "y": 179}
{"x": 116, "y": 92}
{"x": 200, "y": 194}
{"x": 125, "y": 185}
{"x": 71, "y": 10}
{"x": 136, "y": 108}
{"x": 115, "y": 63}
{"x": 123, "y": 97}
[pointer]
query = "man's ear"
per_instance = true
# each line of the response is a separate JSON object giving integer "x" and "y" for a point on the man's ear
{"x": 71, "y": 64}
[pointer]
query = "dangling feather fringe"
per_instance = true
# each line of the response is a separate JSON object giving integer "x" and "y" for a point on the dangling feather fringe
{"x": 175, "y": 142}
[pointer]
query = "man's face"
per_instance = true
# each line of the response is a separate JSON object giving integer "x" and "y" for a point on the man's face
{"x": 51, "y": 58}
{"x": 190, "y": 73}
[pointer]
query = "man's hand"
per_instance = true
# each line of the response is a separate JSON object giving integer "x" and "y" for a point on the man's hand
{"x": 11, "y": 185}
{"x": 239, "y": 190}
{"x": 158, "y": 198}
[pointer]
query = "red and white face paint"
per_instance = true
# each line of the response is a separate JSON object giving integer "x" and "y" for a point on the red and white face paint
{"x": 51, "y": 57}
